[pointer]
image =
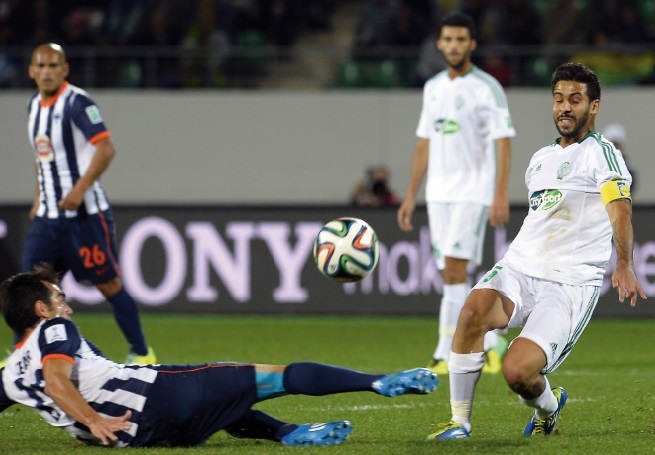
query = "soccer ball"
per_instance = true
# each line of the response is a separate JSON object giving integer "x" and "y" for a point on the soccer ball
{"x": 346, "y": 249}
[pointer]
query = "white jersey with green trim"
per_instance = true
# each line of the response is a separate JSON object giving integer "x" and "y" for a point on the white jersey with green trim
{"x": 566, "y": 236}
{"x": 462, "y": 117}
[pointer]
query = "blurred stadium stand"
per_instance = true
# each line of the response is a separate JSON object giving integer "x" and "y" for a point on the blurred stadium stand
{"x": 314, "y": 44}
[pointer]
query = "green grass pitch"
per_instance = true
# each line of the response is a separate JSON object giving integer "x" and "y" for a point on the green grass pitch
{"x": 610, "y": 377}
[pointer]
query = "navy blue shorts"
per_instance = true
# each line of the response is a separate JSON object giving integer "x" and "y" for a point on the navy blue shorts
{"x": 188, "y": 403}
{"x": 85, "y": 245}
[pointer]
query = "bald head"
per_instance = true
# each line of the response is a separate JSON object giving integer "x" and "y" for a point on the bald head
{"x": 48, "y": 48}
{"x": 48, "y": 69}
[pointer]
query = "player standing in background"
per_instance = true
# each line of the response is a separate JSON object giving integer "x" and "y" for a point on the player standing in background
{"x": 72, "y": 225}
{"x": 464, "y": 147}
{"x": 73, "y": 386}
{"x": 549, "y": 280}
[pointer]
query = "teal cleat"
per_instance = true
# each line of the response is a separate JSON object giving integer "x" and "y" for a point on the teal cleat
{"x": 449, "y": 430}
{"x": 546, "y": 426}
{"x": 418, "y": 381}
{"x": 318, "y": 434}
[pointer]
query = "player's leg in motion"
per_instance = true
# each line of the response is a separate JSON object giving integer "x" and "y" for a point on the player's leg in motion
{"x": 259, "y": 425}
{"x": 316, "y": 379}
{"x": 524, "y": 363}
{"x": 92, "y": 254}
{"x": 126, "y": 314}
{"x": 482, "y": 312}
{"x": 455, "y": 291}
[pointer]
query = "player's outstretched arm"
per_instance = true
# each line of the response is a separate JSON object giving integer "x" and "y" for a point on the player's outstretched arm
{"x": 60, "y": 388}
{"x": 624, "y": 278}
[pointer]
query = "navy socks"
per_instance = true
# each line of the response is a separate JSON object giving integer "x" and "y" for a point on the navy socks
{"x": 316, "y": 379}
{"x": 126, "y": 314}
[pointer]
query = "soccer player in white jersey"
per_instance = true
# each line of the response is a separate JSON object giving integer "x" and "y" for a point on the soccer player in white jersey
{"x": 549, "y": 280}
{"x": 68, "y": 381}
{"x": 72, "y": 224}
{"x": 464, "y": 148}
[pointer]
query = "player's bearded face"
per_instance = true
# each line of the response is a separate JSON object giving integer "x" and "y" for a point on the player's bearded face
{"x": 456, "y": 45}
{"x": 572, "y": 109}
{"x": 571, "y": 126}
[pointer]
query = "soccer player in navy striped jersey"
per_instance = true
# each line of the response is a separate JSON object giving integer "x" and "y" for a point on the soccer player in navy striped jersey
{"x": 68, "y": 381}
{"x": 72, "y": 225}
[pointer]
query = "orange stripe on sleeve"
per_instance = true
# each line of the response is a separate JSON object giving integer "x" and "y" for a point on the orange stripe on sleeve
{"x": 100, "y": 136}
{"x": 57, "y": 356}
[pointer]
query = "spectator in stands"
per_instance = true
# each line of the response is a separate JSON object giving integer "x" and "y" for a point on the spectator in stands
{"x": 121, "y": 21}
{"x": 411, "y": 26}
{"x": 251, "y": 15}
{"x": 179, "y": 15}
{"x": 38, "y": 21}
{"x": 156, "y": 30}
{"x": 209, "y": 45}
{"x": 375, "y": 28}
{"x": 491, "y": 34}
{"x": 77, "y": 31}
{"x": 9, "y": 66}
{"x": 522, "y": 26}
{"x": 564, "y": 21}
{"x": 604, "y": 14}
{"x": 284, "y": 21}
{"x": 477, "y": 10}
{"x": 632, "y": 28}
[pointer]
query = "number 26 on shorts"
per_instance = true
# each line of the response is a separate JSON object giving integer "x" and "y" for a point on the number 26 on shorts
{"x": 93, "y": 257}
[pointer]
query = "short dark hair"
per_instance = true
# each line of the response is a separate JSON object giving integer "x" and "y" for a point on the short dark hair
{"x": 574, "y": 71}
{"x": 19, "y": 293}
{"x": 458, "y": 19}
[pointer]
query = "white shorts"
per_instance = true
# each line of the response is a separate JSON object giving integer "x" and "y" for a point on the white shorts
{"x": 553, "y": 315}
{"x": 457, "y": 231}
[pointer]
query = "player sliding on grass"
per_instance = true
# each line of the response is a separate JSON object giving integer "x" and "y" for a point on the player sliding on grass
{"x": 66, "y": 379}
{"x": 549, "y": 280}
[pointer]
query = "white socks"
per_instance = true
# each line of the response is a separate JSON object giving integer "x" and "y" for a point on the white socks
{"x": 464, "y": 372}
{"x": 544, "y": 405}
{"x": 454, "y": 296}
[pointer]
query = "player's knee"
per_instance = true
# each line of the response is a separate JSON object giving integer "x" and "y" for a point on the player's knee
{"x": 110, "y": 288}
{"x": 472, "y": 318}
{"x": 517, "y": 377}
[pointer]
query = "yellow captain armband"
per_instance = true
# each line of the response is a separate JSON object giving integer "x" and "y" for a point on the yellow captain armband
{"x": 616, "y": 189}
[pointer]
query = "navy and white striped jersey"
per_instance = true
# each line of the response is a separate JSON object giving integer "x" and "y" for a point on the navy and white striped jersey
{"x": 63, "y": 132}
{"x": 110, "y": 388}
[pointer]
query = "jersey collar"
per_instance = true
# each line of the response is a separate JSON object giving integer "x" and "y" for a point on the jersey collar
{"x": 589, "y": 134}
{"x": 53, "y": 100}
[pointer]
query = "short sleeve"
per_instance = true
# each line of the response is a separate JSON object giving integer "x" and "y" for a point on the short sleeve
{"x": 86, "y": 116}
{"x": 495, "y": 109}
{"x": 423, "y": 129}
{"x": 610, "y": 166}
{"x": 59, "y": 338}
